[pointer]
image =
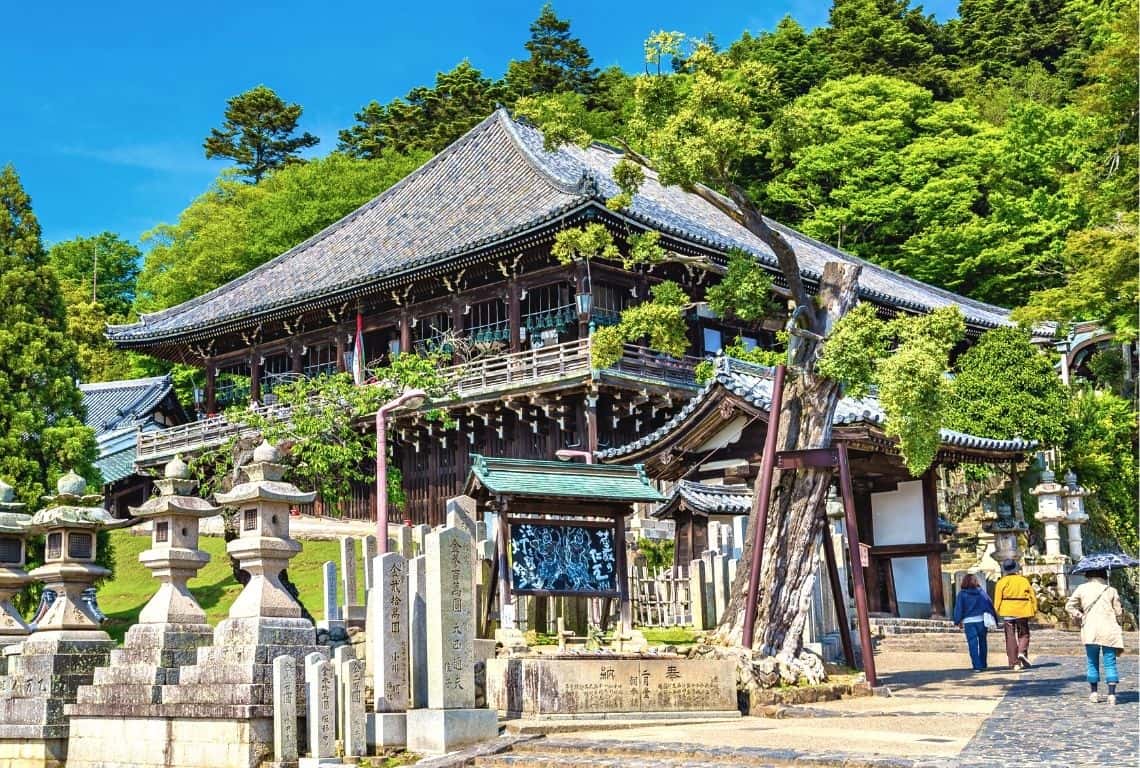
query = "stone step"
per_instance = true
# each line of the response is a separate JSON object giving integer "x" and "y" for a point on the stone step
{"x": 601, "y": 753}
{"x": 648, "y": 759}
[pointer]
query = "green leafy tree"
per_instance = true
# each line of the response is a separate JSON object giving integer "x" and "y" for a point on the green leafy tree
{"x": 97, "y": 358}
{"x": 41, "y": 410}
{"x": 800, "y": 59}
{"x": 426, "y": 119}
{"x": 558, "y": 61}
{"x": 1005, "y": 387}
{"x": 1100, "y": 280}
{"x": 1101, "y": 448}
{"x": 235, "y": 227}
{"x": 106, "y": 266}
{"x": 258, "y": 133}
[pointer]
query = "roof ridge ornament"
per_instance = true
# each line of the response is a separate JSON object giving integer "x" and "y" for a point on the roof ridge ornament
{"x": 588, "y": 184}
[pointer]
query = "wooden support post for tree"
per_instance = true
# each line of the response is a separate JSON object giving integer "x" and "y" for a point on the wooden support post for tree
{"x": 760, "y": 501}
{"x": 837, "y": 596}
{"x": 861, "y": 610}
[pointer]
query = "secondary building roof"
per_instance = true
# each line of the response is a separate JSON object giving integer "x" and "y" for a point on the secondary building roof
{"x": 117, "y": 410}
{"x": 559, "y": 480}
{"x": 493, "y": 186}
{"x": 752, "y": 385}
{"x": 706, "y": 499}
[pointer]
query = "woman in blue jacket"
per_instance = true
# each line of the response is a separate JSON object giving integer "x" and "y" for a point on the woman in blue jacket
{"x": 970, "y": 611}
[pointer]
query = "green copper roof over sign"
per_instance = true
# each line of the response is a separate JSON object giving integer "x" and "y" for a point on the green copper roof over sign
{"x": 560, "y": 480}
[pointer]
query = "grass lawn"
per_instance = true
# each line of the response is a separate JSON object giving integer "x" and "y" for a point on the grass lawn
{"x": 124, "y": 595}
{"x": 669, "y": 635}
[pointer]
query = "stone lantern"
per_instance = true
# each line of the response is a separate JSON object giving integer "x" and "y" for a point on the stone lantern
{"x": 1006, "y": 528}
{"x": 14, "y": 524}
{"x": 174, "y": 556}
{"x": 263, "y": 547}
{"x": 1051, "y": 513}
{"x": 1075, "y": 515}
{"x": 69, "y": 523}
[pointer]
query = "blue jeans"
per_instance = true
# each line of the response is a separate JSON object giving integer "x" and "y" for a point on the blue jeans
{"x": 1092, "y": 656}
{"x": 976, "y": 640}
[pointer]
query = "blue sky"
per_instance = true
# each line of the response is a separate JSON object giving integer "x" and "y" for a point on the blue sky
{"x": 104, "y": 105}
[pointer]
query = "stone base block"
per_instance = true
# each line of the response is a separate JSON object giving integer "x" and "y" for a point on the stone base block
{"x": 120, "y": 742}
{"x": 436, "y": 731}
{"x": 25, "y": 753}
{"x": 318, "y": 762}
{"x": 386, "y": 729}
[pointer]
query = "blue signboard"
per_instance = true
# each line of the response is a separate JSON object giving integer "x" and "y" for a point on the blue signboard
{"x": 569, "y": 559}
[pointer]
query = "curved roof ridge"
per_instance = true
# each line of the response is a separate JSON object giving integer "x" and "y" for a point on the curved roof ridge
{"x": 330, "y": 229}
{"x": 562, "y": 185}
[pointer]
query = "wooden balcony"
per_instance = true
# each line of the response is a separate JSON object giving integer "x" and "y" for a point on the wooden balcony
{"x": 531, "y": 370}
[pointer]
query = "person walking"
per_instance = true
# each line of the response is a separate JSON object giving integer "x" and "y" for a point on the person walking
{"x": 1096, "y": 605}
{"x": 1016, "y": 604}
{"x": 972, "y": 608}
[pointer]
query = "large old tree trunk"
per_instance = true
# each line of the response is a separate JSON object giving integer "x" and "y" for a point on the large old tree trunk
{"x": 795, "y": 517}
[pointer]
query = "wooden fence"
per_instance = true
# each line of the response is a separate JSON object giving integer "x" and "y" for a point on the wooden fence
{"x": 660, "y": 598}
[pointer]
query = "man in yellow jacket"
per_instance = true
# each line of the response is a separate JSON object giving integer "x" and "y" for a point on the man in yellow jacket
{"x": 1016, "y": 603}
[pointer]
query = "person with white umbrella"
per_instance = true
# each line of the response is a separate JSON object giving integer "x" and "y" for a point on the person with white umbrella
{"x": 1096, "y": 605}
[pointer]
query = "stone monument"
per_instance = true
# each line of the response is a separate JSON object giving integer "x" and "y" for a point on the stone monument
{"x": 1051, "y": 513}
{"x": 284, "y": 712}
{"x": 1075, "y": 515}
{"x": 451, "y": 719}
{"x": 15, "y": 526}
{"x": 67, "y": 643}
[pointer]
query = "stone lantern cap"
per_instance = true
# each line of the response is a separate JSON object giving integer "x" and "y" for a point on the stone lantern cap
{"x": 265, "y": 482}
{"x": 73, "y": 507}
{"x": 13, "y": 517}
{"x": 175, "y": 489}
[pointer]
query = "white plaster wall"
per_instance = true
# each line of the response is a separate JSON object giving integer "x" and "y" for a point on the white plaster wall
{"x": 898, "y": 519}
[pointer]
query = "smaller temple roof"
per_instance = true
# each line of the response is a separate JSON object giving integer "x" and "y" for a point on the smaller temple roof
{"x": 560, "y": 479}
{"x": 753, "y": 385}
{"x": 707, "y": 499}
{"x": 112, "y": 405}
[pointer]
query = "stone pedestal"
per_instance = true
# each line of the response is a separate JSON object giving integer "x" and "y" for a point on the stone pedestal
{"x": 1075, "y": 516}
{"x": 61, "y": 655}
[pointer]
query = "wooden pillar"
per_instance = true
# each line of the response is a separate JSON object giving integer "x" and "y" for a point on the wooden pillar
{"x": 298, "y": 357}
{"x": 861, "y": 608}
{"x": 514, "y": 312}
{"x": 579, "y": 287}
{"x": 837, "y": 595}
{"x": 933, "y": 559}
{"x": 506, "y": 608}
{"x": 255, "y": 377}
{"x": 592, "y": 422}
{"x": 867, "y": 536}
{"x": 341, "y": 348}
{"x": 211, "y": 387}
{"x": 405, "y": 333}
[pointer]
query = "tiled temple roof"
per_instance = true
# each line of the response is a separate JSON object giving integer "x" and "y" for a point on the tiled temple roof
{"x": 706, "y": 499}
{"x": 753, "y": 384}
{"x": 559, "y": 480}
{"x": 493, "y": 184}
{"x": 112, "y": 405}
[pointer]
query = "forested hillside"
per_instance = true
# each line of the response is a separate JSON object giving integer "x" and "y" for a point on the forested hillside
{"x": 994, "y": 154}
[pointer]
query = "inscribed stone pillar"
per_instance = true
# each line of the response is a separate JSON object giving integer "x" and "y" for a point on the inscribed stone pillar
{"x": 331, "y": 606}
{"x": 370, "y": 549}
{"x": 353, "y": 723}
{"x": 321, "y": 681}
{"x": 348, "y": 571}
{"x": 710, "y": 592}
{"x": 697, "y": 595}
{"x": 719, "y": 576}
{"x": 405, "y": 542}
{"x": 390, "y": 662}
{"x": 285, "y": 710}
{"x": 451, "y": 620}
{"x": 417, "y": 631}
{"x": 451, "y": 719}
{"x": 461, "y": 513}
{"x": 419, "y": 534}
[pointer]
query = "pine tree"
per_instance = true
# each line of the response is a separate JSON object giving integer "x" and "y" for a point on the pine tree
{"x": 41, "y": 427}
{"x": 258, "y": 133}
{"x": 558, "y": 61}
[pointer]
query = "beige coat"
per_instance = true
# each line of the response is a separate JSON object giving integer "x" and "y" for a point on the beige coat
{"x": 1097, "y": 606}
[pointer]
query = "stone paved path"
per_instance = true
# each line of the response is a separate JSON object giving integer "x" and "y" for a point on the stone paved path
{"x": 1046, "y": 719}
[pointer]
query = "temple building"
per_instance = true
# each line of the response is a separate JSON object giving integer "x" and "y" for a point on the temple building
{"x": 462, "y": 246}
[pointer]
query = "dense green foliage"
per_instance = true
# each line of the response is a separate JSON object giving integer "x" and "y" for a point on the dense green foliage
{"x": 41, "y": 410}
{"x": 558, "y": 61}
{"x": 737, "y": 350}
{"x": 258, "y": 133}
{"x": 658, "y": 323}
{"x": 106, "y": 263}
{"x": 1005, "y": 387}
{"x": 235, "y": 227}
